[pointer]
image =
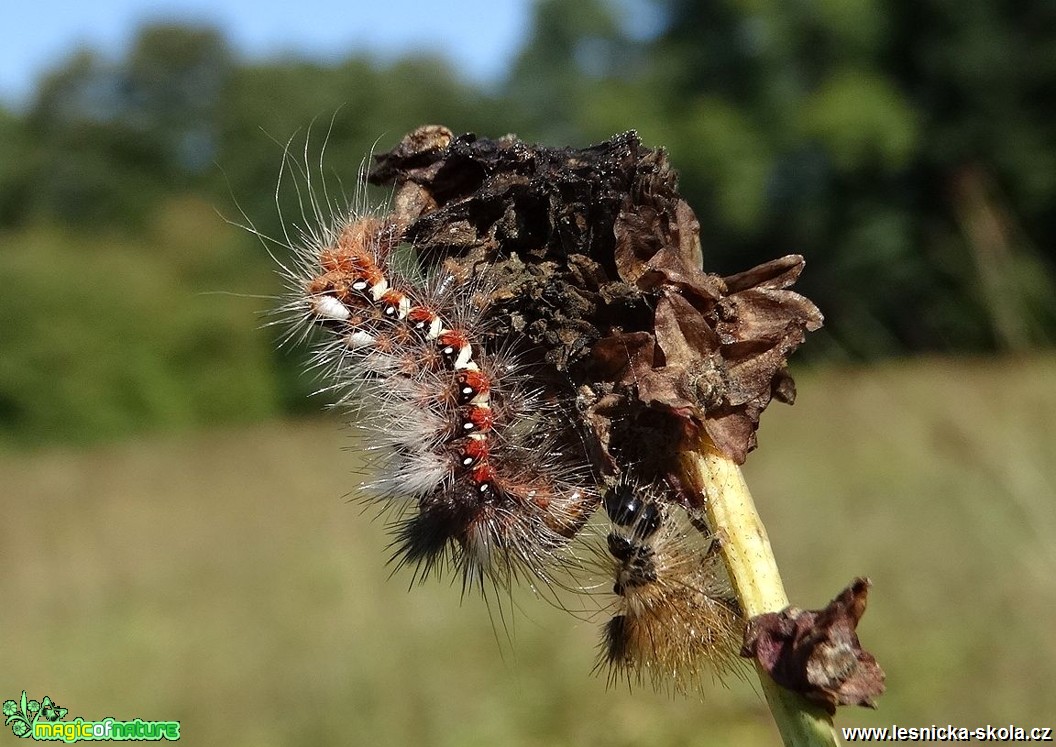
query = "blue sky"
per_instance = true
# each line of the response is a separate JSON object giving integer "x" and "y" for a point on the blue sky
{"x": 479, "y": 36}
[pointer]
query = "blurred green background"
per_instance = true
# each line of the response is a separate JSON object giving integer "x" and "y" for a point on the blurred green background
{"x": 174, "y": 538}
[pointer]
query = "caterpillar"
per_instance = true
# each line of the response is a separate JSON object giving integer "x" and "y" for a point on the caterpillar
{"x": 462, "y": 447}
{"x": 675, "y": 616}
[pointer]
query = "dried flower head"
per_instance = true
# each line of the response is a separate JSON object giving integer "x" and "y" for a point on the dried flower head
{"x": 596, "y": 262}
{"x": 817, "y": 652}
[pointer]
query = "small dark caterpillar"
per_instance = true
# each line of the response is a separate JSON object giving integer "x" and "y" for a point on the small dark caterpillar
{"x": 675, "y": 616}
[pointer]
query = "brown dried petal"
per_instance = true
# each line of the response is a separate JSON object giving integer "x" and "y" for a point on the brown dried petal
{"x": 658, "y": 242}
{"x": 763, "y": 314}
{"x": 777, "y": 273}
{"x": 817, "y": 653}
{"x": 752, "y": 370}
{"x": 682, "y": 332}
{"x": 733, "y": 430}
{"x": 672, "y": 267}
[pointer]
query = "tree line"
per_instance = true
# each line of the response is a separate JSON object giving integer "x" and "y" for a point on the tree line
{"x": 906, "y": 148}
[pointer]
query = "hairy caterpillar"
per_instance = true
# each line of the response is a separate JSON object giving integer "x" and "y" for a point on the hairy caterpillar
{"x": 461, "y": 445}
{"x": 675, "y": 616}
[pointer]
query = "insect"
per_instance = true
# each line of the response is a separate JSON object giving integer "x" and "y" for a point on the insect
{"x": 460, "y": 445}
{"x": 675, "y": 617}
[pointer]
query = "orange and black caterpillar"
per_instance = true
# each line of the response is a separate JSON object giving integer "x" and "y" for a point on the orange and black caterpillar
{"x": 461, "y": 446}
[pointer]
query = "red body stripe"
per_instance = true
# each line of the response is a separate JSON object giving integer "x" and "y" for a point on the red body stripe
{"x": 475, "y": 380}
{"x": 421, "y": 314}
{"x": 482, "y": 418}
{"x": 476, "y": 448}
{"x": 455, "y": 338}
{"x": 483, "y": 473}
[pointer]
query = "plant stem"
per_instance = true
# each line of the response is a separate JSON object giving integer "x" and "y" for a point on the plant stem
{"x": 753, "y": 571}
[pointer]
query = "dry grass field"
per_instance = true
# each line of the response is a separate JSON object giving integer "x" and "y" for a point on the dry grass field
{"x": 222, "y": 580}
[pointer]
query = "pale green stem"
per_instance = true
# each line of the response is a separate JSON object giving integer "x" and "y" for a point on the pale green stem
{"x": 753, "y": 571}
